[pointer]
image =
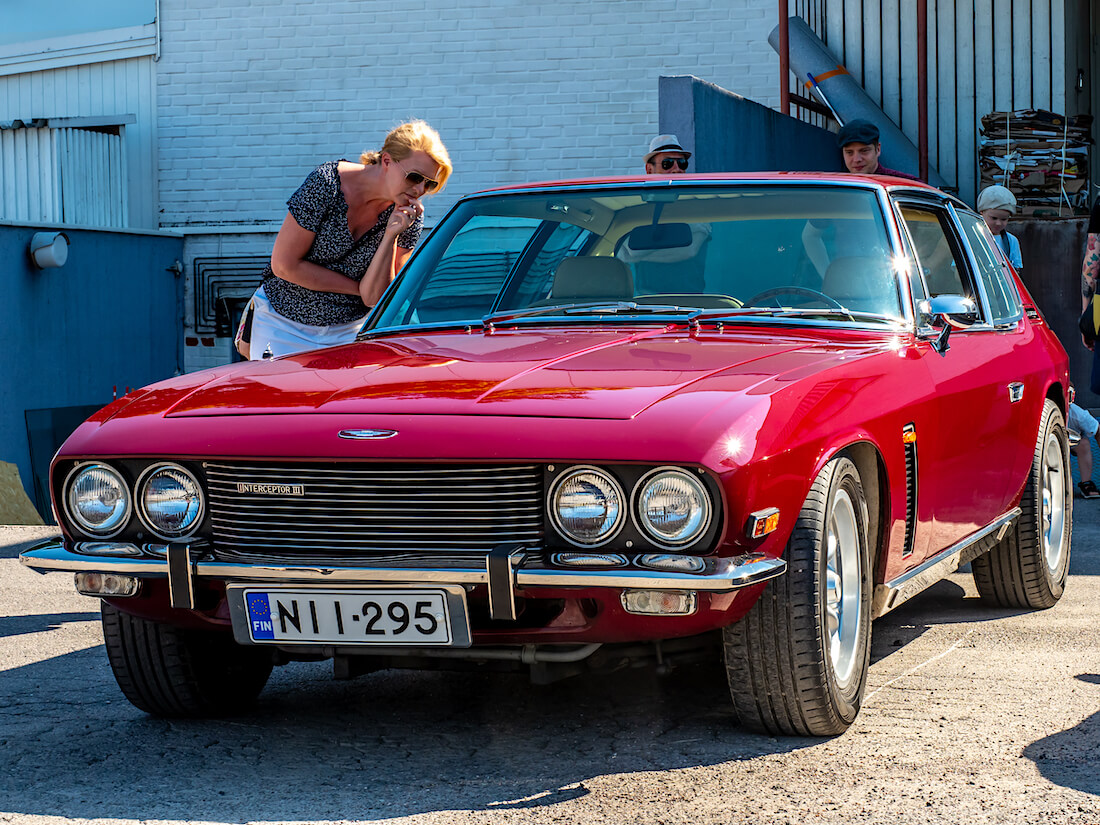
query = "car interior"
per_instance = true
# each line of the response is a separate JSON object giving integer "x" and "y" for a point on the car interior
{"x": 787, "y": 247}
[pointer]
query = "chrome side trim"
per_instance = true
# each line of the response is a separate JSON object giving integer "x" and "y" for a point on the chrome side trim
{"x": 892, "y": 593}
{"x": 717, "y": 576}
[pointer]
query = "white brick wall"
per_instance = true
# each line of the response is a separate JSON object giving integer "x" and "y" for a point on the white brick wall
{"x": 252, "y": 94}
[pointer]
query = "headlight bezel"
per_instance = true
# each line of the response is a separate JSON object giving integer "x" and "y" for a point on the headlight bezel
{"x": 621, "y": 518}
{"x": 72, "y": 513}
{"x": 645, "y": 526}
{"x": 146, "y": 520}
{"x": 631, "y": 538}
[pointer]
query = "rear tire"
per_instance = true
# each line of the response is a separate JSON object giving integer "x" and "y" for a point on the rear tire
{"x": 167, "y": 671}
{"x": 1028, "y": 568}
{"x": 797, "y": 663}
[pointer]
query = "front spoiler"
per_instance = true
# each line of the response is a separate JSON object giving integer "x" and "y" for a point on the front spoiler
{"x": 502, "y": 572}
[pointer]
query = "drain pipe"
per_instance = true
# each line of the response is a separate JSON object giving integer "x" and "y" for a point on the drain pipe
{"x": 922, "y": 87}
{"x": 784, "y": 59}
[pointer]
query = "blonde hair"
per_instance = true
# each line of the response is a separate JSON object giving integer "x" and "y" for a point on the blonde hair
{"x": 414, "y": 136}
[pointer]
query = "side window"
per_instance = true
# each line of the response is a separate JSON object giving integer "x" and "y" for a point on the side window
{"x": 471, "y": 271}
{"x": 564, "y": 241}
{"x": 936, "y": 250}
{"x": 1000, "y": 292}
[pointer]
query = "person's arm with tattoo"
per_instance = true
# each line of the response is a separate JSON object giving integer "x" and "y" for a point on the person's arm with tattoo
{"x": 1090, "y": 268}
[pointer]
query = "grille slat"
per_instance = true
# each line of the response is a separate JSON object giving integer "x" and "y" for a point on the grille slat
{"x": 350, "y": 509}
{"x": 250, "y": 500}
{"x": 381, "y": 523}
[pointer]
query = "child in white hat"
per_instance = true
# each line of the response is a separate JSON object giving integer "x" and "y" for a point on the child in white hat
{"x": 997, "y": 204}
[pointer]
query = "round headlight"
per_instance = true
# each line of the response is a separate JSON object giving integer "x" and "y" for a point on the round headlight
{"x": 171, "y": 501}
{"x": 673, "y": 507}
{"x": 587, "y": 506}
{"x": 98, "y": 500}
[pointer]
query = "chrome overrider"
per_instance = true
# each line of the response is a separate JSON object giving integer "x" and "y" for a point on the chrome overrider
{"x": 505, "y": 569}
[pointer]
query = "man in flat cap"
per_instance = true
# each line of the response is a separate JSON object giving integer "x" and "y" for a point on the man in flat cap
{"x": 859, "y": 144}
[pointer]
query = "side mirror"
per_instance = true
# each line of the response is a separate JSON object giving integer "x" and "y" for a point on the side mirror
{"x": 660, "y": 236}
{"x": 947, "y": 312}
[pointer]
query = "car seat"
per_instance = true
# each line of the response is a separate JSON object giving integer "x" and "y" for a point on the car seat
{"x": 580, "y": 280}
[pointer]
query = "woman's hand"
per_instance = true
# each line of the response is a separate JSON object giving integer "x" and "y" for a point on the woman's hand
{"x": 405, "y": 212}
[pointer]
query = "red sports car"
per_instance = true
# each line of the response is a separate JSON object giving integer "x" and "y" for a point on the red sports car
{"x": 592, "y": 421}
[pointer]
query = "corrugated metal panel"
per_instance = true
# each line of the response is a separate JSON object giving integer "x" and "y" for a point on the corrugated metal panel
{"x": 29, "y": 186}
{"x": 72, "y": 176}
{"x": 983, "y": 56}
{"x": 107, "y": 88}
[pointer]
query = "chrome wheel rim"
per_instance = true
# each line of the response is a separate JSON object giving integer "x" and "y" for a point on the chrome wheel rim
{"x": 843, "y": 604}
{"x": 1054, "y": 486}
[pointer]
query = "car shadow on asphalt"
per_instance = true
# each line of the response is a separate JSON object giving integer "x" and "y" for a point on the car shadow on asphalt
{"x": 388, "y": 744}
{"x": 1068, "y": 758}
{"x": 42, "y": 622}
{"x": 946, "y": 602}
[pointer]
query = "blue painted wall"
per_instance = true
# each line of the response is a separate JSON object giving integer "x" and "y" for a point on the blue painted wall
{"x": 731, "y": 133}
{"x": 110, "y": 317}
{"x": 56, "y": 18}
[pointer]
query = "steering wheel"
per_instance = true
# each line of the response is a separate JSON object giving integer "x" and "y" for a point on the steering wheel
{"x": 805, "y": 291}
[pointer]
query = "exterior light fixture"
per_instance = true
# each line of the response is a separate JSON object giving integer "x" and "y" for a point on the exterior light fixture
{"x": 49, "y": 249}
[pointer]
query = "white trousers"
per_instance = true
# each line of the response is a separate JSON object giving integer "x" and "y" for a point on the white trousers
{"x": 272, "y": 333}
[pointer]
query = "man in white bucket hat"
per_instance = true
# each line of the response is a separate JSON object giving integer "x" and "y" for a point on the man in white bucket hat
{"x": 666, "y": 156}
{"x": 676, "y": 269}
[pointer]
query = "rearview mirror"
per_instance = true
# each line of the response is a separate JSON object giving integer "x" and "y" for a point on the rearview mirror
{"x": 660, "y": 236}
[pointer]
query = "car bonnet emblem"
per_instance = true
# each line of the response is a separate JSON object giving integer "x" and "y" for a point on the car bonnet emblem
{"x": 271, "y": 489}
{"x": 367, "y": 435}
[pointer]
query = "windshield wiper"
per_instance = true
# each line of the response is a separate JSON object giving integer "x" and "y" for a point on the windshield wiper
{"x": 594, "y": 307}
{"x": 704, "y": 315}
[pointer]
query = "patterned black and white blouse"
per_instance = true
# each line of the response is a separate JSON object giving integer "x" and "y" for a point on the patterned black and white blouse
{"x": 320, "y": 207}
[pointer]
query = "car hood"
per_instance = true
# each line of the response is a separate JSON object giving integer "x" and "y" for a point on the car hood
{"x": 609, "y": 374}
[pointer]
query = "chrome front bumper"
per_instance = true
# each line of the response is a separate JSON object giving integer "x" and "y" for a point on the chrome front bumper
{"x": 505, "y": 569}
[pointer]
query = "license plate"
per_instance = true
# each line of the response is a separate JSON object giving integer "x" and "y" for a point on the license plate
{"x": 351, "y": 617}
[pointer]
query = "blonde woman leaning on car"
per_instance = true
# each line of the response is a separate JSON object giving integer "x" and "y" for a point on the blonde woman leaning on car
{"x": 349, "y": 229}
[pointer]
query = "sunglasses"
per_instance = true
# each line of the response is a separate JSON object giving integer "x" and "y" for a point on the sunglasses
{"x": 666, "y": 163}
{"x": 415, "y": 178}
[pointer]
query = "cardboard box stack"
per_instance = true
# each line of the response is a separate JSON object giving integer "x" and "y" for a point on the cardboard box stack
{"x": 1041, "y": 156}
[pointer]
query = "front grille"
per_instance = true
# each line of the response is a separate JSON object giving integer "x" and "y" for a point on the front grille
{"x": 345, "y": 510}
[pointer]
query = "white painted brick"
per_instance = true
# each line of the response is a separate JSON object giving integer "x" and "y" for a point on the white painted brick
{"x": 252, "y": 94}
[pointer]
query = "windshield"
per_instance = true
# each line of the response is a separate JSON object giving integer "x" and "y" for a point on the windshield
{"x": 810, "y": 253}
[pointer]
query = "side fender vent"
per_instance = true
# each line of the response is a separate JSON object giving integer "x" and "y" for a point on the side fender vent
{"x": 909, "y": 438}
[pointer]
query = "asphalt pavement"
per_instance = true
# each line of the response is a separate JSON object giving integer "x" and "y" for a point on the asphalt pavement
{"x": 972, "y": 715}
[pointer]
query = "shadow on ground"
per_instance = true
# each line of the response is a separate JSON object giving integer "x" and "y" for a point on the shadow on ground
{"x": 385, "y": 745}
{"x": 1068, "y": 758}
{"x": 18, "y": 625}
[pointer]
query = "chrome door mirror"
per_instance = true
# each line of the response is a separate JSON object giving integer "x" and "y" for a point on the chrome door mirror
{"x": 947, "y": 312}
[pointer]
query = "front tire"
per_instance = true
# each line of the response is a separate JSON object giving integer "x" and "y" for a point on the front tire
{"x": 168, "y": 671}
{"x": 1028, "y": 568}
{"x": 797, "y": 663}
